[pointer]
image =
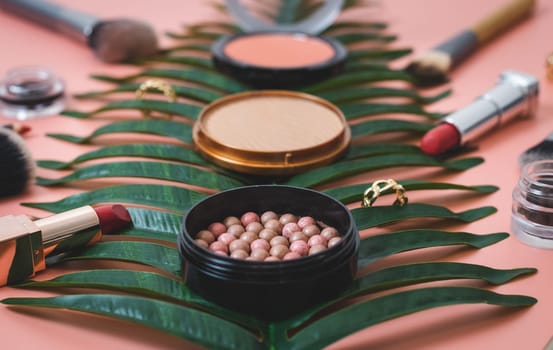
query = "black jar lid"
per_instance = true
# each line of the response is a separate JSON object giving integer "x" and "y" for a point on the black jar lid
{"x": 277, "y": 59}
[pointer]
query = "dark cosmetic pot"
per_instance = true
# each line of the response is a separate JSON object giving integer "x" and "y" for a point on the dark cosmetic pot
{"x": 269, "y": 290}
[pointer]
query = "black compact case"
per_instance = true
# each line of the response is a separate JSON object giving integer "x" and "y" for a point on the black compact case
{"x": 269, "y": 290}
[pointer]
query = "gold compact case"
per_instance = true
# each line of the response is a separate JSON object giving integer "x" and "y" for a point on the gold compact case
{"x": 271, "y": 132}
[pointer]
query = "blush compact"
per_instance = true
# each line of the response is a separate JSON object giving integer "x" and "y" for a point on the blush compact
{"x": 280, "y": 55}
{"x": 272, "y": 59}
{"x": 271, "y": 132}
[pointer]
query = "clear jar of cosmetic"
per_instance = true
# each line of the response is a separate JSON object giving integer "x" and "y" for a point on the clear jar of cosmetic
{"x": 532, "y": 210}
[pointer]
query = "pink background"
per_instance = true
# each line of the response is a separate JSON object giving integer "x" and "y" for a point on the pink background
{"x": 420, "y": 24}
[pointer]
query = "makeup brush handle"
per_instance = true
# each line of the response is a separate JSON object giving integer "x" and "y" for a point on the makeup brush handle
{"x": 75, "y": 24}
{"x": 502, "y": 19}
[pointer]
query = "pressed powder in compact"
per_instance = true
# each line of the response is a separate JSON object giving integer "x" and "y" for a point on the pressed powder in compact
{"x": 271, "y": 132}
{"x": 279, "y": 59}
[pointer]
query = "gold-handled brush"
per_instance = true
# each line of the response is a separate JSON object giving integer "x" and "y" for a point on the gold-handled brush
{"x": 431, "y": 67}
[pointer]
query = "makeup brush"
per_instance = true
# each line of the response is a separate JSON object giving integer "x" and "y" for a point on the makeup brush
{"x": 431, "y": 67}
{"x": 541, "y": 151}
{"x": 16, "y": 164}
{"x": 117, "y": 40}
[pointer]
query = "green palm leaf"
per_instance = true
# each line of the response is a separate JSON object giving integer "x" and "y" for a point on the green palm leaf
{"x": 354, "y": 111}
{"x": 371, "y": 127}
{"x": 153, "y": 224}
{"x": 364, "y": 93}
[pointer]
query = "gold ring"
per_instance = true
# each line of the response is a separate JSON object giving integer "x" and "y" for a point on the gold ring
{"x": 372, "y": 193}
{"x": 159, "y": 85}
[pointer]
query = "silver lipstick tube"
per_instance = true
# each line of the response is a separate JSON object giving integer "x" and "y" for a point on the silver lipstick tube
{"x": 516, "y": 94}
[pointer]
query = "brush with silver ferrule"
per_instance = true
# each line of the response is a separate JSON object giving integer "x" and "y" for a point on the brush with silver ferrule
{"x": 116, "y": 40}
{"x": 431, "y": 68}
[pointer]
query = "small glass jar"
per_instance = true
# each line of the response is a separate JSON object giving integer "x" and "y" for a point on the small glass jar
{"x": 532, "y": 210}
{"x": 31, "y": 92}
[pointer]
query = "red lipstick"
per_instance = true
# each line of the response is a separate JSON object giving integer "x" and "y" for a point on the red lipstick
{"x": 514, "y": 95}
{"x": 25, "y": 244}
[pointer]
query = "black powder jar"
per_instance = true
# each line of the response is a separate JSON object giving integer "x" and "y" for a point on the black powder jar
{"x": 269, "y": 290}
{"x": 532, "y": 209}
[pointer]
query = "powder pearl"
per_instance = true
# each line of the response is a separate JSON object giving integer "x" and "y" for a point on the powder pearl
{"x": 279, "y": 240}
{"x": 202, "y": 243}
{"x": 306, "y": 221}
{"x": 290, "y": 228}
{"x": 311, "y": 230}
{"x": 329, "y": 232}
{"x": 239, "y": 244}
{"x": 317, "y": 248}
{"x": 260, "y": 244}
{"x": 279, "y": 251}
{"x": 239, "y": 254}
{"x": 218, "y": 245}
{"x": 298, "y": 236}
{"x": 268, "y": 215}
{"x": 288, "y": 218}
{"x": 255, "y": 227}
{"x": 267, "y": 234}
{"x": 248, "y": 236}
{"x": 271, "y": 258}
{"x": 206, "y": 235}
{"x": 217, "y": 228}
{"x": 220, "y": 252}
{"x": 236, "y": 230}
{"x": 291, "y": 256}
{"x": 316, "y": 240}
{"x": 299, "y": 247}
{"x": 255, "y": 258}
{"x": 231, "y": 220}
{"x": 249, "y": 217}
{"x": 260, "y": 254}
{"x": 226, "y": 238}
{"x": 274, "y": 224}
{"x": 333, "y": 241}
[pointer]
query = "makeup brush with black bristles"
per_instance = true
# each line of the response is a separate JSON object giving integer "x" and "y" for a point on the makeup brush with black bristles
{"x": 541, "y": 151}
{"x": 117, "y": 40}
{"x": 431, "y": 68}
{"x": 16, "y": 163}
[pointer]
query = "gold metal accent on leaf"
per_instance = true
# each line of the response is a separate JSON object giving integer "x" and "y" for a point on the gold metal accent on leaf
{"x": 379, "y": 186}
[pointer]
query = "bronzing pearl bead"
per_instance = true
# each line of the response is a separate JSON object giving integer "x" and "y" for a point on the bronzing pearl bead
{"x": 279, "y": 251}
{"x": 329, "y": 232}
{"x": 311, "y": 230}
{"x": 239, "y": 244}
{"x": 248, "y": 236}
{"x": 279, "y": 240}
{"x": 217, "y": 228}
{"x": 305, "y": 221}
{"x": 226, "y": 238}
{"x": 206, "y": 235}
{"x": 298, "y": 236}
{"x": 268, "y": 215}
{"x": 220, "y": 252}
{"x": 236, "y": 230}
{"x": 267, "y": 234}
{"x": 260, "y": 244}
{"x": 239, "y": 254}
{"x": 274, "y": 224}
{"x": 333, "y": 241}
{"x": 317, "y": 248}
{"x": 316, "y": 240}
{"x": 271, "y": 258}
{"x": 218, "y": 245}
{"x": 291, "y": 256}
{"x": 202, "y": 243}
{"x": 299, "y": 247}
{"x": 231, "y": 220}
{"x": 287, "y": 218}
{"x": 260, "y": 254}
{"x": 290, "y": 228}
{"x": 248, "y": 218}
{"x": 255, "y": 227}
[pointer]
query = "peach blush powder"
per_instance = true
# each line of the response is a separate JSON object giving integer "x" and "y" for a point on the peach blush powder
{"x": 279, "y": 50}
{"x": 273, "y": 124}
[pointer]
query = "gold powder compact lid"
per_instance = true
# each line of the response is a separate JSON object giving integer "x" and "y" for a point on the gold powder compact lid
{"x": 271, "y": 132}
